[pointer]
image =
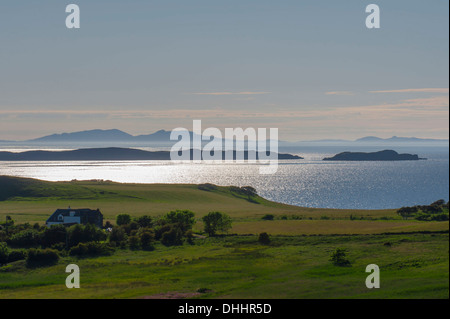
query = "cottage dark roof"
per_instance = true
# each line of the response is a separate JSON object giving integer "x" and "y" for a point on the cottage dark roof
{"x": 86, "y": 215}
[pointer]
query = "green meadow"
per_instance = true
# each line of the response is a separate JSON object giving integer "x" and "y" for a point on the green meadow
{"x": 413, "y": 256}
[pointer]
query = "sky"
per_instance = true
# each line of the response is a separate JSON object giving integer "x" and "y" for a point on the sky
{"x": 310, "y": 68}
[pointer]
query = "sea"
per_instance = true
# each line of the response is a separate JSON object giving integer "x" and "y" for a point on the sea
{"x": 310, "y": 182}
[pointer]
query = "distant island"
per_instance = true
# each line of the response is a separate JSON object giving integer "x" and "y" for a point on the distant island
{"x": 109, "y": 154}
{"x": 386, "y": 155}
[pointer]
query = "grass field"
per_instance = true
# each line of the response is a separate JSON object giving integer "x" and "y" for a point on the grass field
{"x": 39, "y": 202}
{"x": 413, "y": 256}
{"x": 413, "y": 266}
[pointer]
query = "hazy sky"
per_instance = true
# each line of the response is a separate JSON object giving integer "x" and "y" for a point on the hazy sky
{"x": 310, "y": 68}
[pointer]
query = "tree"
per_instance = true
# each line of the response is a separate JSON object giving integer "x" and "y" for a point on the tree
{"x": 216, "y": 221}
{"x": 54, "y": 235}
{"x": 123, "y": 219}
{"x": 172, "y": 237}
{"x": 4, "y": 253}
{"x": 338, "y": 258}
{"x": 146, "y": 239}
{"x": 25, "y": 239}
{"x": 144, "y": 221}
{"x": 407, "y": 212}
{"x": 264, "y": 239}
{"x": 117, "y": 235}
{"x": 39, "y": 258}
{"x": 184, "y": 218}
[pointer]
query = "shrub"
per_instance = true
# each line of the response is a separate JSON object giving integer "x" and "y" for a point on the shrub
{"x": 216, "y": 221}
{"x": 268, "y": 217}
{"x": 207, "y": 187}
{"x": 338, "y": 258}
{"x": 133, "y": 242}
{"x": 16, "y": 255}
{"x": 41, "y": 258}
{"x": 4, "y": 253}
{"x": 184, "y": 218}
{"x": 146, "y": 239}
{"x": 144, "y": 221}
{"x": 54, "y": 235}
{"x": 264, "y": 239}
{"x": 90, "y": 249}
{"x": 82, "y": 234}
{"x": 172, "y": 237}
{"x": 118, "y": 235}
{"x": 25, "y": 239}
{"x": 189, "y": 237}
{"x": 123, "y": 219}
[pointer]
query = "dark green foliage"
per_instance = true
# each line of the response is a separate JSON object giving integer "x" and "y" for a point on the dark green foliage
{"x": 25, "y": 239}
{"x": 90, "y": 249}
{"x": 407, "y": 212}
{"x": 437, "y": 211}
{"x": 82, "y": 234}
{"x": 338, "y": 258}
{"x": 133, "y": 242}
{"x": 184, "y": 218}
{"x": 268, "y": 217}
{"x": 189, "y": 237}
{"x": 41, "y": 257}
{"x": 215, "y": 222}
{"x": 264, "y": 239}
{"x": 123, "y": 219}
{"x": 173, "y": 236}
{"x": 4, "y": 253}
{"x": 118, "y": 235}
{"x": 144, "y": 221}
{"x": 54, "y": 235}
{"x": 107, "y": 225}
{"x": 146, "y": 239}
{"x": 16, "y": 255}
{"x": 207, "y": 187}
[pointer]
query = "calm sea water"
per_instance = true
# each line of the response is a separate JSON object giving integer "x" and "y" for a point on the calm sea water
{"x": 309, "y": 182}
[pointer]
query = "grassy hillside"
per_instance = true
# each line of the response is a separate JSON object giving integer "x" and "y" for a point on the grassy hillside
{"x": 412, "y": 266}
{"x": 29, "y": 200}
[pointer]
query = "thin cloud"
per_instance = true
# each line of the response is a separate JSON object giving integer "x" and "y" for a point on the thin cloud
{"x": 230, "y": 93}
{"x": 345, "y": 93}
{"x": 426, "y": 90}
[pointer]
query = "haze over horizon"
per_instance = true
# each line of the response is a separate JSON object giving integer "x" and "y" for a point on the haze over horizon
{"x": 311, "y": 69}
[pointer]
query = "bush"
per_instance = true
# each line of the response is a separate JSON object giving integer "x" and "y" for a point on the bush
{"x": 41, "y": 258}
{"x": 118, "y": 235}
{"x": 268, "y": 217}
{"x": 184, "y": 218}
{"x": 133, "y": 242}
{"x": 144, "y": 221}
{"x": 172, "y": 237}
{"x": 264, "y": 239}
{"x": 90, "y": 249}
{"x": 216, "y": 221}
{"x": 146, "y": 239}
{"x": 123, "y": 219}
{"x": 82, "y": 234}
{"x": 25, "y": 239}
{"x": 440, "y": 217}
{"x": 4, "y": 253}
{"x": 207, "y": 187}
{"x": 338, "y": 258}
{"x": 54, "y": 235}
{"x": 16, "y": 255}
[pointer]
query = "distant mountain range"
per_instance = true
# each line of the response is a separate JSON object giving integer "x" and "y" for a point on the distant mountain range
{"x": 163, "y": 137}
